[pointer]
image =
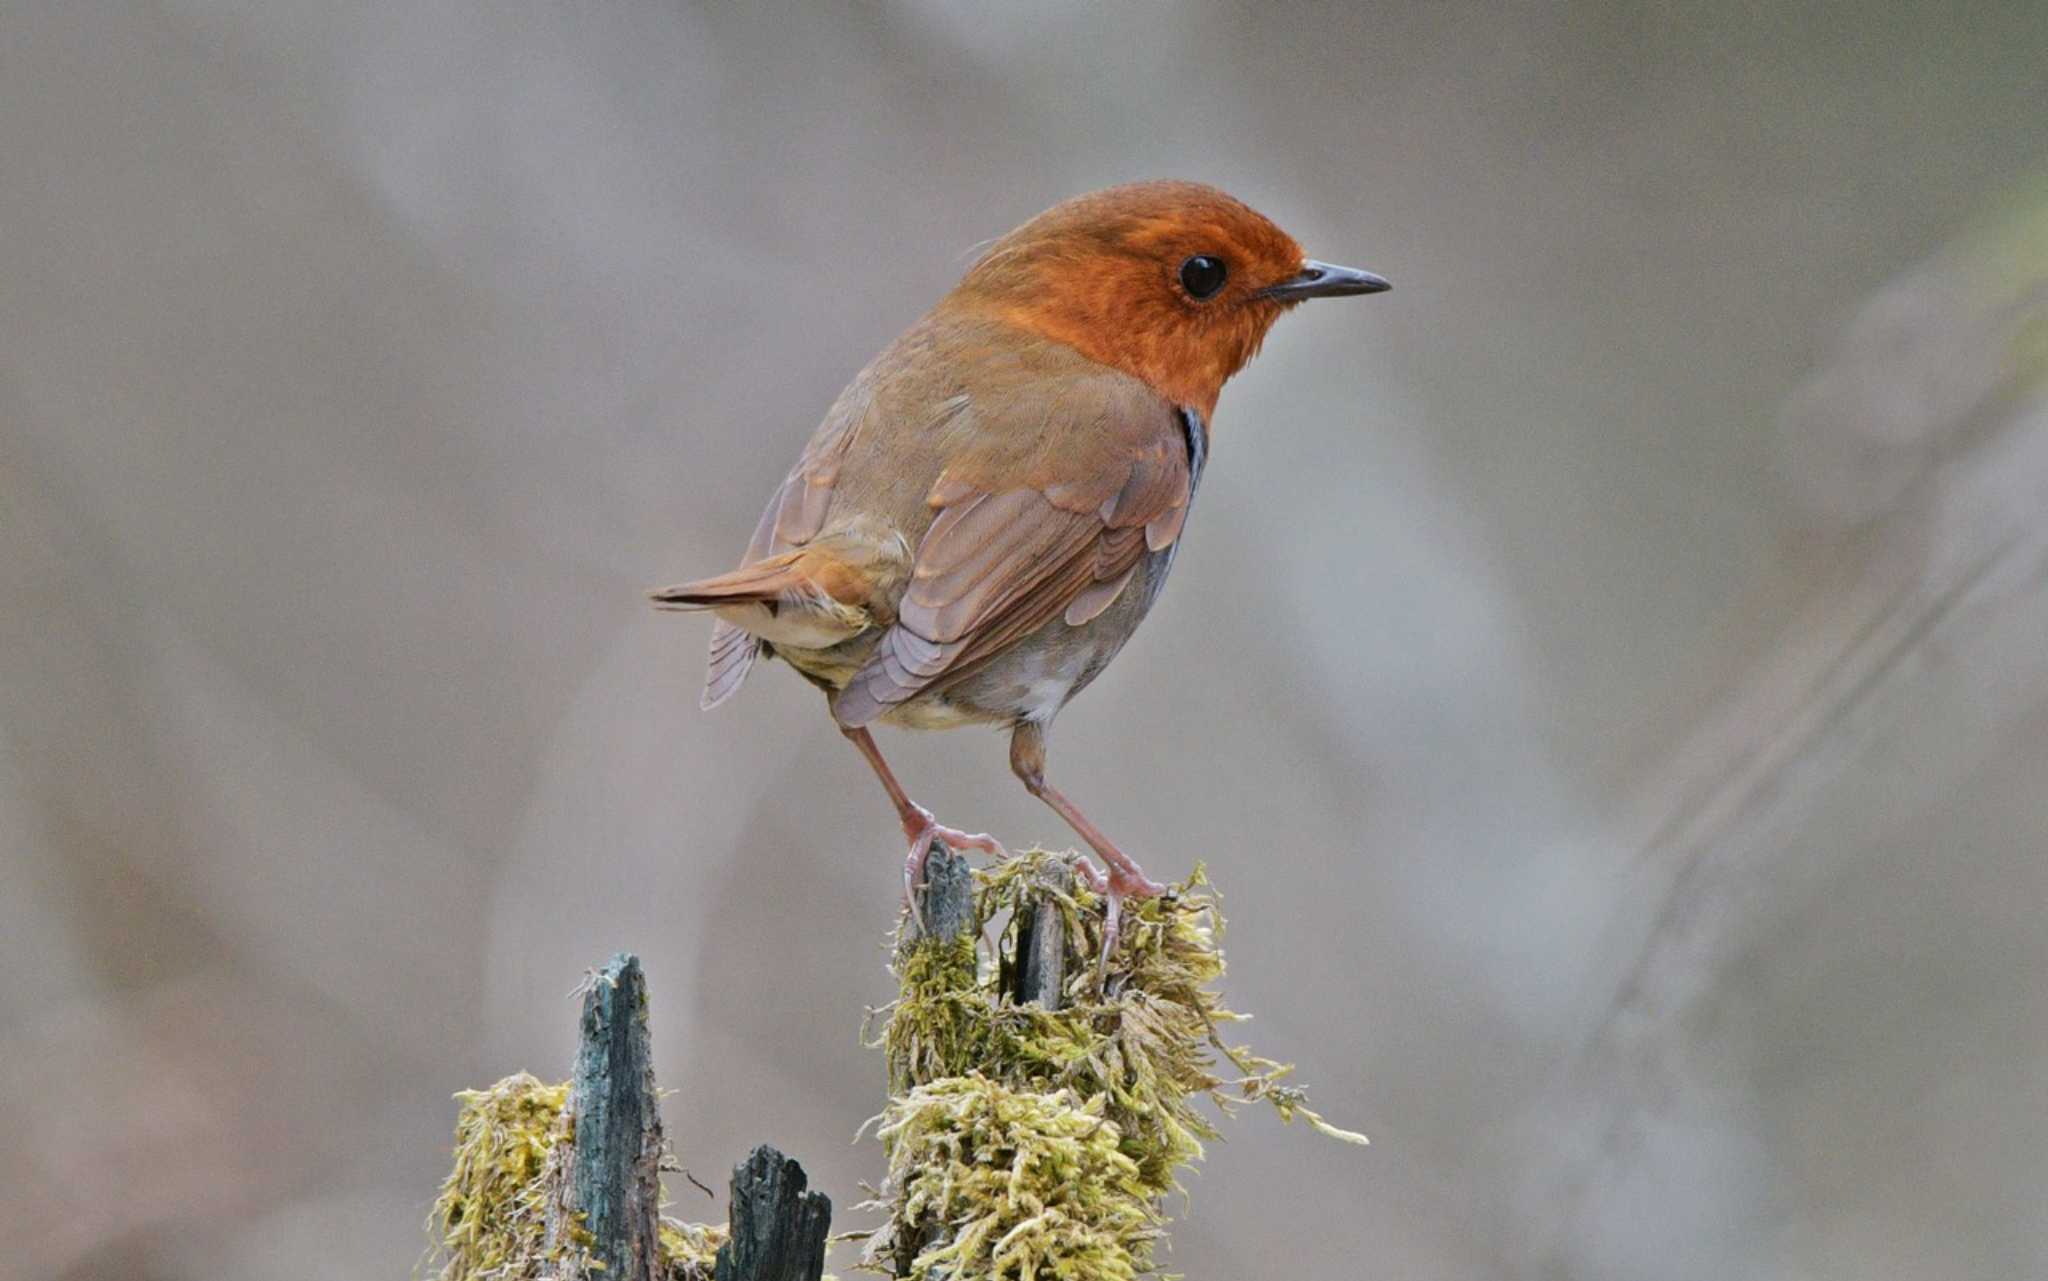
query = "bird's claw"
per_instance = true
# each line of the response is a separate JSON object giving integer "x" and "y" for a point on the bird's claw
{"x": 1115, "y": 886}
{"x": 923, "y": 828}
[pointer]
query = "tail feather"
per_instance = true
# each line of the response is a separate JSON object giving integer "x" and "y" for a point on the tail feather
{"x": 765, "y": 582}
{"x": 810, "y": 598}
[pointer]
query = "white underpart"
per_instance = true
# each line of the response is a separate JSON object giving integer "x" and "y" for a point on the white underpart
{"x": 1044, "y": 697}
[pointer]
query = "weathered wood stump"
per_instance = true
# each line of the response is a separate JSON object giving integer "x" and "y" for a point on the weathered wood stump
{"x": 778, "y": 1228}
{"x": 945, "y": 902}
{"x": 615, "y": 1177}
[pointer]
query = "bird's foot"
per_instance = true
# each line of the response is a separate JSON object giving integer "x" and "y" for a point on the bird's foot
{"x": 923, "y": 828}
{"x": 1124, "y": 880}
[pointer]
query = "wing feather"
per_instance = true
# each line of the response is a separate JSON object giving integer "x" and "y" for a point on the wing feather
{"x": 1108, "y": 477}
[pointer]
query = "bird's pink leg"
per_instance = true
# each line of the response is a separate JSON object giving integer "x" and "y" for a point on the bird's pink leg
{"x": 1125, "y": 879}
{"x": 919, "y": 826}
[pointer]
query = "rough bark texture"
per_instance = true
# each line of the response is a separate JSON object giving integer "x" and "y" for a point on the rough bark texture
{"x": 945, "y": 901}
{"x": 778, "y": 1228}
{"x": 615, "y": 1178}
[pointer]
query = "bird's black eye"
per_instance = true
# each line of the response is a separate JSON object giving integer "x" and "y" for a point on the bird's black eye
{"x": 1202, "y": 276}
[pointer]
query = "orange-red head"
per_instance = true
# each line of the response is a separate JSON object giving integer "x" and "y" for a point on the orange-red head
{"x": 1173, "y": 282}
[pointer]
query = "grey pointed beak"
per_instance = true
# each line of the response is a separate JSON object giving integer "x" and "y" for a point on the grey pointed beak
{"x": 1325, "y": 280}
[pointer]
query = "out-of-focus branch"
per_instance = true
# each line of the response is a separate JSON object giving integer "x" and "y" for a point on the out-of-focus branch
{"x": 1924, "y": 464}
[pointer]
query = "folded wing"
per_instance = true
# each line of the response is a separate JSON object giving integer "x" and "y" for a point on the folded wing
{"x": 1048, "y": 520}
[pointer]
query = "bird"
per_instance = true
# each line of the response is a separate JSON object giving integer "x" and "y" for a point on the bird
{"x": 992, "y": 505}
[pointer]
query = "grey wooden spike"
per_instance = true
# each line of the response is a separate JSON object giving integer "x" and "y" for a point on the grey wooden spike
{"x": 615, "y": 1180}
{"x": 778, "y": 1228}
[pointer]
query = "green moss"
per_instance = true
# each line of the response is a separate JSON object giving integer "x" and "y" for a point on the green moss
{"x": 490, "y": 1220}
{"x": 940, "y": 1026}
{"x": 988, "y": 1095}
{"x": 1028, "y": 1184}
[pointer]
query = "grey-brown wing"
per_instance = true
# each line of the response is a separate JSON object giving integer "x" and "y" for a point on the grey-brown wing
{"x": 1112, "y": 481}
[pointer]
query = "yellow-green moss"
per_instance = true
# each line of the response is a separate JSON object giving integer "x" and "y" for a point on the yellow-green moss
{"x": 490, "y": 1218}
{"x": 1027, "y": 1184}
{"x": 988, "y": 1094}
{"x": 689, "y": 1251}
{"x": 940, "y": 1025}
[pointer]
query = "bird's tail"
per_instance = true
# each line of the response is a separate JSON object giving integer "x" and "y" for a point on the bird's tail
{"x": 810, "y": 598}
{"x": 765, "y": 582}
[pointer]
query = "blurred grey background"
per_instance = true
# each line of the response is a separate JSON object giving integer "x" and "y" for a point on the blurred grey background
{"x": 1629, "y": 780}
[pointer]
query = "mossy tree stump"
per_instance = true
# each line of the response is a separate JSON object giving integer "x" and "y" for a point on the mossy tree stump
{"x": 563, "y": 1182}
{"x": 1044, "y": 1094}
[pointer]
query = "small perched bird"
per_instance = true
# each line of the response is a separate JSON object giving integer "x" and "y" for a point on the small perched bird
{"x": 988, "y": 511}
